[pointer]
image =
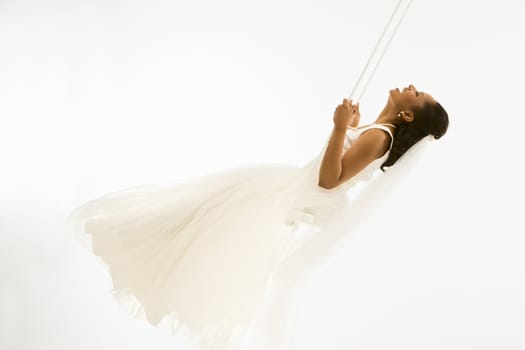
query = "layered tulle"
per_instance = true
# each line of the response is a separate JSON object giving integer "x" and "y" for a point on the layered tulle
{"x": 201, "y": 253}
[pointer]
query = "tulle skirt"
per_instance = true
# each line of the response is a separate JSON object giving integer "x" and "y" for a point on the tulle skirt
{"x": 200, "y": 253}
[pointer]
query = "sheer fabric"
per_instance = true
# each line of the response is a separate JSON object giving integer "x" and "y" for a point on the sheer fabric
{"x": 202, "y": 254}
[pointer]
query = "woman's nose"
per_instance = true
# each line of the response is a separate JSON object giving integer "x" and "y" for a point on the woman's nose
{"x": 411, "y": 87}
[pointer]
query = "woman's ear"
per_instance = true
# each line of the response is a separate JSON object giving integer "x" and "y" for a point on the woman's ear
{"x": 408, "y": 116}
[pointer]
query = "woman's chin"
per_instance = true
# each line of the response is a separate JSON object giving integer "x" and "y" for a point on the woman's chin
{"x": 392, "y": 95}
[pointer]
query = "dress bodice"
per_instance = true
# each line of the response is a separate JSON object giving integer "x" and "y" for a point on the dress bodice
{"x": 352, "y": 134}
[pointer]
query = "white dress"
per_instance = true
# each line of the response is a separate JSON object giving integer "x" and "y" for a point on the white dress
{"x": 199, "y": 254}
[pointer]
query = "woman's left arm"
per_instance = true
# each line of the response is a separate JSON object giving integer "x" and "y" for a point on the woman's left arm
{"x": 369, "y": 146}
{"x": 345, "y": 114}
{"x": 330, "y": 169}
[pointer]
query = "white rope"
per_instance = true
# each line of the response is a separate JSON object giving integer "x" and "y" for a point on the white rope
{"x": 372, "y": 55}
{"x": 375, "y": 48}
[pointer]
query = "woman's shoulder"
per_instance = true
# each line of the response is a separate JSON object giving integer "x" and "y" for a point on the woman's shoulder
{"x": 381, "y": 134}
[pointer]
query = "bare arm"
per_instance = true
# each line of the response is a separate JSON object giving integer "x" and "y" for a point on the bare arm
{"x": 331, "y": 165}
{"x": 337, "y": 168}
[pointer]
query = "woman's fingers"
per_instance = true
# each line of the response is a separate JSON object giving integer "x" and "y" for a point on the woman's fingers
{"x": 354, "y": 108}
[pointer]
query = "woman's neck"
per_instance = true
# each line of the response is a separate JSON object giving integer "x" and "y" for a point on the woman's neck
{"x": 387, "y": 115}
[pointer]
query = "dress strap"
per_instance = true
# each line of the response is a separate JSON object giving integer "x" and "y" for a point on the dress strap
{"x": 392, "y": 125}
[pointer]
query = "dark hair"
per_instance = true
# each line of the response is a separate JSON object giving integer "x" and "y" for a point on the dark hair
{"x": 432, "y": 119}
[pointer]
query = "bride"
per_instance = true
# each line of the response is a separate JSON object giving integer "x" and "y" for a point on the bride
{"x": 201, "y": 253}
{"x": 399, "y": 117}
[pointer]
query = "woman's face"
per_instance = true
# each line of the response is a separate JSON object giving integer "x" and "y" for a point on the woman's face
{"x": 409, "y": 98}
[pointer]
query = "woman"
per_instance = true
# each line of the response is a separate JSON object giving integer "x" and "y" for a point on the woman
{"x": 200, "y": 253}
{"x": 417, "y": 114}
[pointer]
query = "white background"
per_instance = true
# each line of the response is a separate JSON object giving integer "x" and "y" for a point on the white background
{"x": 101, "y": 95}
